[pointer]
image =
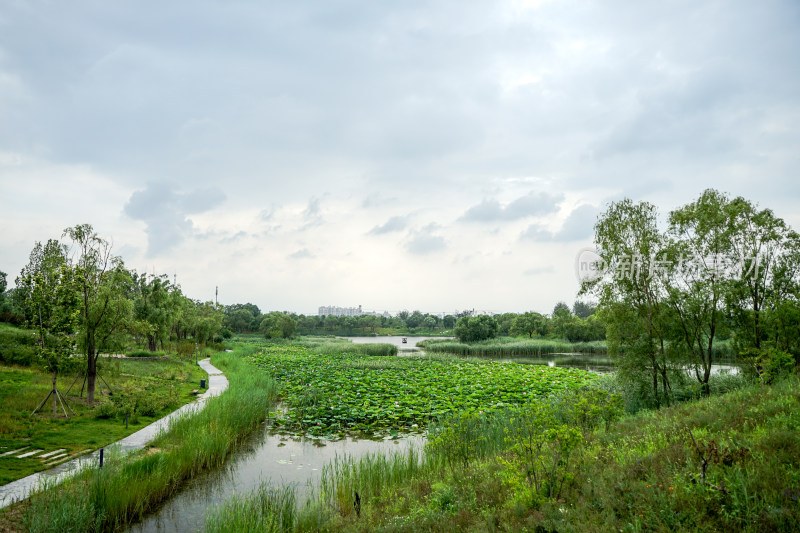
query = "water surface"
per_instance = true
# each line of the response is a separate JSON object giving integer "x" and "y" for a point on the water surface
{"x": 279, "y": 459}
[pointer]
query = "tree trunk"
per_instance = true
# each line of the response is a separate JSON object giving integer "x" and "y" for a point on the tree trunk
{"x": 91, "y": 367}
{"x": 151, "y": 342}
{"x": 55, "y": 373}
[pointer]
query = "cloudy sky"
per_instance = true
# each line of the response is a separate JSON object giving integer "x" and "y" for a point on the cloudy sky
{"x": 398, "y": 155}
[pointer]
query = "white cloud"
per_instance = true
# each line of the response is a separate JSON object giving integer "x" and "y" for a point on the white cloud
{"x": 335, "y": 133}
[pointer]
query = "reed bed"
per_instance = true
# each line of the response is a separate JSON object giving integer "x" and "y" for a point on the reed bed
{"x": 265, "y": 510}
{"x": 335, "y": 348}
{"x": 512, "y": 347}
{"x": 124, "y": 491}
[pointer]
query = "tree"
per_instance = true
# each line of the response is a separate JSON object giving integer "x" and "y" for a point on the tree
{"x": 702, "y": 234}
{"x": 51, "y": 302}
{"x": 102, "y": 282}
{"x": 583, "y": 309}
{"x": 766, "y": 286}
{"x": 631, "y": 296}
{"x": 278, "y": 325}
{"x": 561, "y": 309}
{"x": 505, "y": 322}
{"x": 474, "y": 329}
{"x": 3, "y": 298}
{"x": 529, "y": 324}
{"x": 152, "y": 308}
{"x": 203, "y": 320}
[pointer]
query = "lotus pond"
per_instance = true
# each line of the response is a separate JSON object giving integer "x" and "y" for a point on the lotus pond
{"x": 373, "y": 395}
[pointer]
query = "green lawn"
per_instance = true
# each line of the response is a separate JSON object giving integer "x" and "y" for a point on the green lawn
{"x": 147, "y": 389}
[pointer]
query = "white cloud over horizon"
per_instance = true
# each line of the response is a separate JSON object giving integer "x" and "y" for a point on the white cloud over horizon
{"x": 432, "y": 156}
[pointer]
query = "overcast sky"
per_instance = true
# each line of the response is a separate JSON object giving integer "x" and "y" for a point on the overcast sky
{"x": 398, "y": 155}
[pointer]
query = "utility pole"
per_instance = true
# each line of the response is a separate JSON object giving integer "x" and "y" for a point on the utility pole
{"x": 216, "y": 296}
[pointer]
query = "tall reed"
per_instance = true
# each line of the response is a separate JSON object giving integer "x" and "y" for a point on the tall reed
{"x": 511, "y": 347}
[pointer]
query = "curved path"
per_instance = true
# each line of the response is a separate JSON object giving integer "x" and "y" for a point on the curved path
{"x": 22, "y": 488}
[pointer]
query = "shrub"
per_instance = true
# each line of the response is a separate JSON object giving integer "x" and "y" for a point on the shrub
{"x": 146, "y": 353}
{"x": 105, "y": 410}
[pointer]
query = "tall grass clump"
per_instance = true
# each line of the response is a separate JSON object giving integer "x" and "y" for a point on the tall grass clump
{"x": 265, "y": 510}
{"x": 368, "y": 476}
{"x": 124, "y": 490}
{"x": 336, "y": 348}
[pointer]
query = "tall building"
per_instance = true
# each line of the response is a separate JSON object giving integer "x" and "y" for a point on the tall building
{"x": 325, "y": 310}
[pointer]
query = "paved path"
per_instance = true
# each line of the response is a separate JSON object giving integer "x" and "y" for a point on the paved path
{"x": 22, "y": 488}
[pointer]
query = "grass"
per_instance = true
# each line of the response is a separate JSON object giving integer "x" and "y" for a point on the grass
{"x": 17, "y": 346}
{"x": 146, "y": 390}
{"x": 123, "y": 491}
{"x": 344, "y": 346}
{"x": 643, "y": 472}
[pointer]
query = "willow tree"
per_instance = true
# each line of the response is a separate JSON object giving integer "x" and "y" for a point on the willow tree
{"x": 104, "y": 285}
{"x": 765, "y": 291}
{"x": 632, "y": 290}
{"x": 702, "y": 235}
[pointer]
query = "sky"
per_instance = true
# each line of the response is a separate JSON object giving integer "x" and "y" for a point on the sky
{"x": 437, "y": 156}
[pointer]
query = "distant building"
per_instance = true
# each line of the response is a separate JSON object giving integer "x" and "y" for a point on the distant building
{"x": 326, "y": 310}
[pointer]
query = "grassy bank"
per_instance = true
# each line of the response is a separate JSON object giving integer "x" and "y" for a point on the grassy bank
{"x": 512, "y": 347}
{"x": 123, "y": 491}
{"x": 335, "y": 346}
{"x": 725, "y": 463}
{"x": 144, "y": 390}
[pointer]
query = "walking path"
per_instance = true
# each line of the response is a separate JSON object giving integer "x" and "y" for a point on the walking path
{"x": 22, "y": 488}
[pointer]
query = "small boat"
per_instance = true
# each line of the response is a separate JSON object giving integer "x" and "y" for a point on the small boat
{"x": 405, "y": 341}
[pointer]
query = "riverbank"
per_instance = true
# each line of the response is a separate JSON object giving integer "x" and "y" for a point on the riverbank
{"x": 124, "y": 491}
{"x": 724, "y": 463}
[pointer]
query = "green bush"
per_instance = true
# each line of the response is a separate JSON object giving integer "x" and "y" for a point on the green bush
{"x": 767, "y": 365}
{"x": 105, "y": 410}
{"x": 146, "y": 353}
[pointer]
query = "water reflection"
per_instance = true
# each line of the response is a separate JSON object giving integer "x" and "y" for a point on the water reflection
{"x": 409, "y": 346}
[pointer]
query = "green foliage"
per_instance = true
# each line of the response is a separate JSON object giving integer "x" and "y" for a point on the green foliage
{"x": 529, "y": 324}
{"x": 768, "y": 364}
{"x": 641, "y": 473}
{"x": 458, "y": 438}
{"x": 358, "y": 393}
{"x": 17, "y": 346}
{"x": 265, "y": 510}
{"x": 511, "y": 347}
{"x": 277, "y": 325}
{"x": 105, "y": 410}
{"x": 146, "y": 353}
{"x": 341, "y": 346}
{"x": 540, "y": 448}
{"x": 475, "y": 329}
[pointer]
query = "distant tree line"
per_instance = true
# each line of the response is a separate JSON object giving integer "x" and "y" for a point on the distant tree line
{"x": 576, "y": 325}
